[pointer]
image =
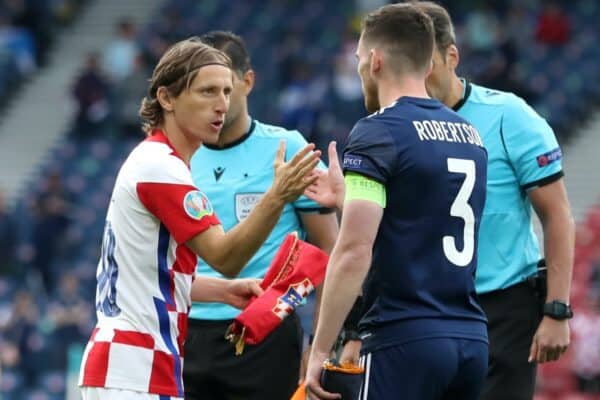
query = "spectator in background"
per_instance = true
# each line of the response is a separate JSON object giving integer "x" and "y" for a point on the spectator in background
{"x": 127, "y": 98}
{"x": 20, "y": 332}
{"x": 301, "y": 98}
{"x": 91, "y": 92}
{"x": 481, "y": 29}
{"x": 19, "y": 43}
{"x": 51, "y": 221}
{"x": 8, "y": 238}
{"x": 119, "y": 57}
{"x": 346, "y": 82}
{"x": 71, "y": 316}
{"x": 34, "y": 17}
{"x": 553, "y": 26}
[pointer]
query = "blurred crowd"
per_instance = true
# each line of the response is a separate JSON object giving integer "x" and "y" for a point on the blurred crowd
{"x": 27, "y": 30}
{"x": 303, "y": 53}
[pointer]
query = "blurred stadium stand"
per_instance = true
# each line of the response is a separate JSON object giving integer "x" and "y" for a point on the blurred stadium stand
{"x": 58, "y": 170}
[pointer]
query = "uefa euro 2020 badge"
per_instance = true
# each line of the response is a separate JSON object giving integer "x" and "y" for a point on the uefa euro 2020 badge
{"x": 197, "y": 205}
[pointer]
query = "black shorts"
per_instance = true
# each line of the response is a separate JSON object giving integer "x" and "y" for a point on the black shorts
{"x": 426, "y": 369}
{"x": 514, "y": 315}
{"x": 269, "y": 370}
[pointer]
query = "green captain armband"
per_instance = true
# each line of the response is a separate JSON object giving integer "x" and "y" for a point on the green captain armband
{"x": 360, "y": 187}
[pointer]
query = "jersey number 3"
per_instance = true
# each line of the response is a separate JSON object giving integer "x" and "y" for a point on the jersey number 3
{"x": 460, "y": 208}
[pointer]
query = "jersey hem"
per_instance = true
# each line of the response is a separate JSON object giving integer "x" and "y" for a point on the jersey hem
{"x": 159, "y": 390}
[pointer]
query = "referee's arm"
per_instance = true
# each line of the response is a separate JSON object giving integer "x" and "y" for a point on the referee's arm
{"x": 551, "y": 204}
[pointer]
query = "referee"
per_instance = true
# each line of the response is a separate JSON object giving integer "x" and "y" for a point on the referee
{"x": 235, "y": 172}
{"x": 527, "y": 312}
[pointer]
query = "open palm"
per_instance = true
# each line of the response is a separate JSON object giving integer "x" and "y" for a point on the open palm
{"x": 328, "y": 190}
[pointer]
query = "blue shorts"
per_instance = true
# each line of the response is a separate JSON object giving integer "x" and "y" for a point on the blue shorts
{"x": 428, "y": 369}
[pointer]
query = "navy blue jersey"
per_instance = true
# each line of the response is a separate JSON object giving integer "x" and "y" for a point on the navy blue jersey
{"x": 433, "y": 165}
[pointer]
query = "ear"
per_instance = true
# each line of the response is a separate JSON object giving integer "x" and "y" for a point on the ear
{"x": 452, "y": 56}
{"x": 249, "y": 77}
{"x": 376, "y": 61}
{"x": 429, "y": 69}
{"x": 164, "y": 98}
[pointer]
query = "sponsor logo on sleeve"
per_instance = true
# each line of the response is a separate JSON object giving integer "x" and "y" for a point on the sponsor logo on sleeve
{"x": 351, "y": 161}
{"x": 549, "y": 158}
{"x": 197, "y": 205}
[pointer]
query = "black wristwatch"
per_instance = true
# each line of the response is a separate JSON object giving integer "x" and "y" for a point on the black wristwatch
{"x": 558, "y": 310}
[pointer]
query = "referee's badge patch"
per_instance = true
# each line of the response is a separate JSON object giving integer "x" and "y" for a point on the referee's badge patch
{"x": 245, "y": 203}
{"x": 549, "y": 157}
{"x": 197, "y": 205}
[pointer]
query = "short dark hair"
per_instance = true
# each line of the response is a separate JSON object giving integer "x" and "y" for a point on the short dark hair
{"x": 442, "y": 24}
{"x": 405, "y": 31}
{"x": 232, "y": 45}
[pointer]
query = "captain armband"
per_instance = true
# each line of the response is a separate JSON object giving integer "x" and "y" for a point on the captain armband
{"x": 360, "y": 187}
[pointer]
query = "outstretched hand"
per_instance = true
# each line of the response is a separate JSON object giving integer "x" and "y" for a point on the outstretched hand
{"x": 328, "y": 188}
{"x": 240, "y": 291}
{"x": 294, "y": 176}
{"x": 314, "y": 390}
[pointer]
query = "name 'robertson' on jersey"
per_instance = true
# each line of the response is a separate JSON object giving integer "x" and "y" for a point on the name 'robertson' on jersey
{"x": 449, "y": 131}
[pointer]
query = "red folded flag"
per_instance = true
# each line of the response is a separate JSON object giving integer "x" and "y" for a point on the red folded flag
{"x": 297, "y": 268}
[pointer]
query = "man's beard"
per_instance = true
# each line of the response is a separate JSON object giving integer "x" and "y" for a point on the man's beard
{"x": 371, "y": 98}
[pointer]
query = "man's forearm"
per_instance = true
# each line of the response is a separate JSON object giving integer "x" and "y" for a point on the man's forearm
{"x": 209, "y": 289}
{"x": 346, "y": 273}
{"x": 559, "y": 241}
{"x": 245, "y": 238}
{"x": 322, "y": 231}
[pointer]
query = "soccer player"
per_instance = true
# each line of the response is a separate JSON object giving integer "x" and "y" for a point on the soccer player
{"x": 158, "y": 221}
{"x": 526, "y": 326}
{"x": 415, "y": 176}
{"x": 235, "y": 172}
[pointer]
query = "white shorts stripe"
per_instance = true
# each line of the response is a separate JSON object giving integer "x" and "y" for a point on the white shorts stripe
{"x": 365, "y": 391}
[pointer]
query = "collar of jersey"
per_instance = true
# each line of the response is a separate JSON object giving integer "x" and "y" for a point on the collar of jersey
{"x": 159, "y": 136}
{"x": 235, "y": 142}
{"x": 466, "y": 93}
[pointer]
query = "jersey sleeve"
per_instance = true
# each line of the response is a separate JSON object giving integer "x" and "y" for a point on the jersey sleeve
{"x": 531, "y": 145}
{"x": 169, "y": 194}
{"x": 294, "y": 143}
{"x": 371, "y": 151}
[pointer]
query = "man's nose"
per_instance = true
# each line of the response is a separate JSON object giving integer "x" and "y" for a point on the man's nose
{"x": 222, "y": 104}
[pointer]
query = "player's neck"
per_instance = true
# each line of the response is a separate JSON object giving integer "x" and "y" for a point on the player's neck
{"x": 182, "y": 145}
{"x": 390, "y": 91}
{"x": 456, "y": 92}
{"x": 236, "y": 130}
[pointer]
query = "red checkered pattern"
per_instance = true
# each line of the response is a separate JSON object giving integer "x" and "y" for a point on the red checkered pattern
{"x": 145, "y": 274}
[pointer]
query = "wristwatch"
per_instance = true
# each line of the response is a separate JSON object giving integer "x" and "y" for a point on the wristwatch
{"x": 558, "y": 310}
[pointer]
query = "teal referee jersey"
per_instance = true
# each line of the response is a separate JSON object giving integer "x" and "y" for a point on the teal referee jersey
{"x": 234, "y": 178}
{"x": 522, "y": 154}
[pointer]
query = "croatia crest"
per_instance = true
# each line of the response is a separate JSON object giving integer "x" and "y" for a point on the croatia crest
{"x": 292, "y": 298}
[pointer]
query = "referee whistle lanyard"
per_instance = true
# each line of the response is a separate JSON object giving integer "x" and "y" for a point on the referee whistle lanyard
{"x": 297, "y": 268}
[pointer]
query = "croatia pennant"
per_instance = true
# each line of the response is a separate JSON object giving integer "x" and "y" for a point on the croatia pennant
{"x": 295, "y": 271}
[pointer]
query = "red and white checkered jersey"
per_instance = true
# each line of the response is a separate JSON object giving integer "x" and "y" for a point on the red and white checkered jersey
{"x": 145, "y": 273}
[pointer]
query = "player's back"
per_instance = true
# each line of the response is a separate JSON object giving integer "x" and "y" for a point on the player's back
{"x": 433, "y": 165}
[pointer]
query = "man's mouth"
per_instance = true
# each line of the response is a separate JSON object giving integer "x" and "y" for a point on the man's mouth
{"x": 217, "y": 124}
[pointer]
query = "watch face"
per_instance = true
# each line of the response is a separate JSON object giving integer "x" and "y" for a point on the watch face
{"x": 558, "y": 310}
